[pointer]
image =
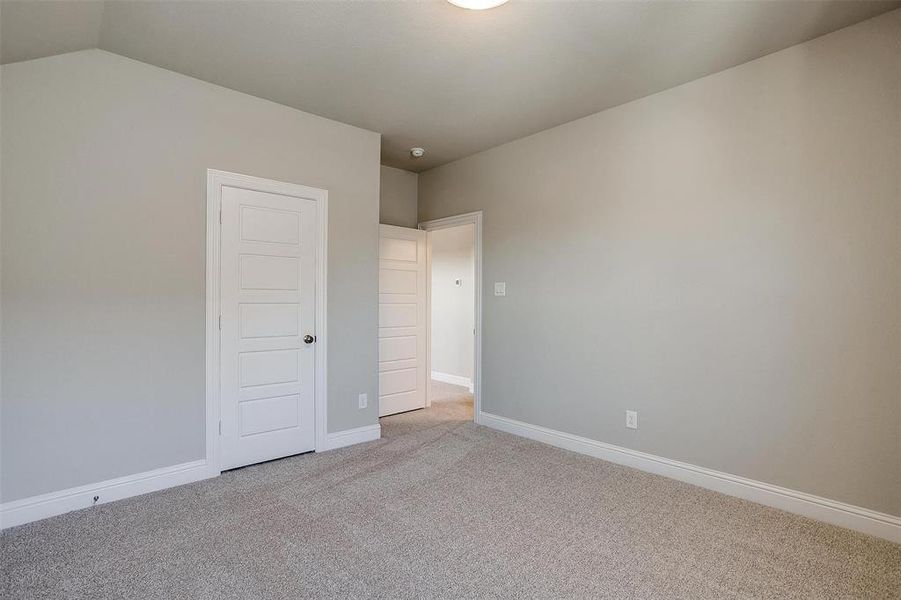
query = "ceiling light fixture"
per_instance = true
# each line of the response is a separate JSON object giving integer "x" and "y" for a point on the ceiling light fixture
{"x": 477, "y": 4}
{"x": 417, "y": 152}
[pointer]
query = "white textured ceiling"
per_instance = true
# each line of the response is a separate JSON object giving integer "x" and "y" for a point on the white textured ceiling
{"x": 428, "y": 73}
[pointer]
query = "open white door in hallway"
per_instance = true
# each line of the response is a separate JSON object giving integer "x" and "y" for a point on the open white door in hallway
{"x": 268, "y": 278}
{"x": 402, "y": 319}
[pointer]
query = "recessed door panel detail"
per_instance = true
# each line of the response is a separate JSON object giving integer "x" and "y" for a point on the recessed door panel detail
{"x": 268, "y": 320}
{"x": 397, "y": 249}
{"x": 402, "y": 402}
{"x": 397, "y": 315}
{"x": 395, "y": 281}
{"x": 269, "y": 414}
{"x": 268, "y": 368}
{"x": 397, "y": 348}
{"x": 395, "y": 382}
{"x": 259, "y": 272}
{"x": 269, "y": 225}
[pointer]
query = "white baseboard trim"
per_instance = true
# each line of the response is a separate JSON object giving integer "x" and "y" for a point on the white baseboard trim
{"x": 35, "y": 508}
{"x": 349, "y": 437}
{"x": 452, "y": 379}
{"x": 26, "y": 510}
{"x": 815, "y": 507}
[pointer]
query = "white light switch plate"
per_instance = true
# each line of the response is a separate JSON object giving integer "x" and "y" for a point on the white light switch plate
{"x": 500, "y": 288}
{"x": 364, "y": 400}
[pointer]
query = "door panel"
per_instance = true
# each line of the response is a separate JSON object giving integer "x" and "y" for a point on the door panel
{"x": 391, "y": 248}
{"x": 267, "y": 293}
{"x": 398, "y": 348}
{"x": 395, "y": 382}
{"x": 268, "y": 414}
{"x": 268, "y": 367}
{"x": 269, "y": 272}
{"x": 402, "y": 319}
{"x": 398, "y": 281}
{"x": 397, "y": 315}
{"x": 268, "y": 320}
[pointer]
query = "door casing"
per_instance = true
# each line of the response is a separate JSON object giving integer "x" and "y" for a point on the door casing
{"x": 215, "y": 180}
{"x": 474, "y": 219}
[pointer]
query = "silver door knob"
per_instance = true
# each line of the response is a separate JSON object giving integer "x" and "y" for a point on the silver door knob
{"x": 309, "y": 339}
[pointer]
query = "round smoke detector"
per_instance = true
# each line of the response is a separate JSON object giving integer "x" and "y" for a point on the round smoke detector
{"x": 417, "y": 152}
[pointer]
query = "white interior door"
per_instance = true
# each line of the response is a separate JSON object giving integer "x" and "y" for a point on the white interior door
{"x": 402, "y": 319}
{"x": 268, "y": 271}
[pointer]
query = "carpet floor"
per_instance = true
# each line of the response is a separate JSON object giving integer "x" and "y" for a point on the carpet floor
{"x": 441, "y": 508}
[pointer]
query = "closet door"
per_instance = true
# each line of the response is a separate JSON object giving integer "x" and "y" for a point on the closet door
{"x": 402, "y": 319}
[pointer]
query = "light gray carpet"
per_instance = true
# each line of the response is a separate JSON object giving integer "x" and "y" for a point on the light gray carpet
{"x": 441, "y": 508}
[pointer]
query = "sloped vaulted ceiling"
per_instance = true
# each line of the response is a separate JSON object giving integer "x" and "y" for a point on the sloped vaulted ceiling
{"x": 428, "y": 73}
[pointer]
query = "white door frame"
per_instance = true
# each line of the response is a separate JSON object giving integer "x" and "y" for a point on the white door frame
{"x": 215, "y": 181}
{"x": 474, "y": 219}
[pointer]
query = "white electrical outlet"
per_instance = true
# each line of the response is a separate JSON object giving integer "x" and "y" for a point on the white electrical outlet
{"x": 364, "y": 400}
{"x": 500, "y": 288}
{"x": 632, "y": 419}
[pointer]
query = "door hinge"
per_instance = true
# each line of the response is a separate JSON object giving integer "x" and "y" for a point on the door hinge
{"x": 220, "y": 322}
{"x": 220, "y": 426}
{"x": 220, "y": 216}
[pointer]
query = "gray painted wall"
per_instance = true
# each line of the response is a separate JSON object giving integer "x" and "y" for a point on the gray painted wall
{"x": 103, "y": 246}
{"x": 722, "y": 257}
{"x": 453, "y": 307}
{"x": 398, "y": 197}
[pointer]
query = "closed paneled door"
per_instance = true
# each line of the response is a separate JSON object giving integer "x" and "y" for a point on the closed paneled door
{"x": 267, "y": 279}
{"x": 402, "y": 316}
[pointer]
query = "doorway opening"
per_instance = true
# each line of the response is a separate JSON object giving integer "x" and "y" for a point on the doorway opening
{"x": 453, "y": 301}
{"x": 430, "y": 314}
